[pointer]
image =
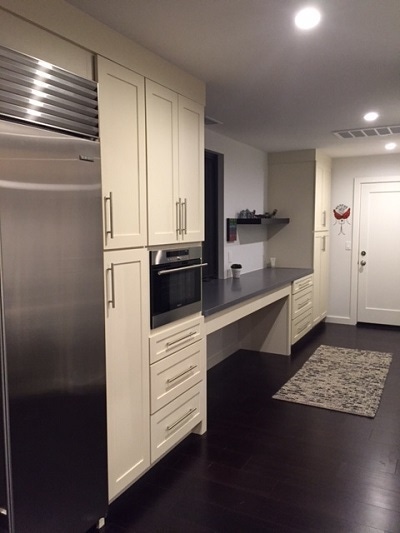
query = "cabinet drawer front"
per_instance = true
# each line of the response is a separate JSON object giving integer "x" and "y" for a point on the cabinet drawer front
{"x": 173, "y": 338}
{"x": 301, "y": 325}
{"x": 170, "y": 424}
{"x": 302, "y": 283}
{"x": 301, "y": 302}
{"x": 175, "y": 374}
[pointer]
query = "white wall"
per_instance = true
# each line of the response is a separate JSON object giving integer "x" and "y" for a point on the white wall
{"x": 344, "y": 171}
{"x": 245, "y": 171}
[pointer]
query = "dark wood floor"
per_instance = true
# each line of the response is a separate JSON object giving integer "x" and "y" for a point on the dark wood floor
{"x": 271, "y": 466}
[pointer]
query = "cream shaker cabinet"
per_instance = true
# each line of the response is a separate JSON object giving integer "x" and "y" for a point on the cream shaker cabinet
{"x": 177, "y": 383}
{"x": 127, "y": 330}
{"x": 299, "y": 185}
{"x": 175, "y": 166}
{"x": 123, "y": 155}
{"x": 322, "y": 196}
{"x": 321, "y": 276}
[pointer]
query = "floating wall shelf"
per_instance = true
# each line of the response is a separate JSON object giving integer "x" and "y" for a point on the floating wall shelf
{"x": 262, "y": 221}
{"x": 233, "y": 223}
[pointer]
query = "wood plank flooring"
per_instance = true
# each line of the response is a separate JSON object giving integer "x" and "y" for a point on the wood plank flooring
{"x": 271, "y": 466}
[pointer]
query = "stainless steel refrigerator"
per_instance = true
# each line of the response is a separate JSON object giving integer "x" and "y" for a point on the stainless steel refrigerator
{"x": 53, "y": 470}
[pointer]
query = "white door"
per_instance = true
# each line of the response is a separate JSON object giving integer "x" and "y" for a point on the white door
{"x": 123, "y": 155}
{"x": 127, "y": 329}
{"x": 379, "y": 254}
{"x": 162, "y": 164}
{"x": 191, "y": 168}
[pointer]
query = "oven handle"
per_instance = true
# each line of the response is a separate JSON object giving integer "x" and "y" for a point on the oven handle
{"x": 171, "y": 270}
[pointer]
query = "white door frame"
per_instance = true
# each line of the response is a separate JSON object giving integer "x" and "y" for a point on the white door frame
{"x": 358, "y": 182}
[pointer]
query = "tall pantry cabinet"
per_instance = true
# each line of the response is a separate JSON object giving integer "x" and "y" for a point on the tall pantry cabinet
{"x": 152, "y": 153}
{"x": 123, "y": 160}
{"x": 299, "y": 184}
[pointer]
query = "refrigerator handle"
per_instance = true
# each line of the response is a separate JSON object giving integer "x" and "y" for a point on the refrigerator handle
{"x": 109, "y": 201}
{"x": 111, "y": 301}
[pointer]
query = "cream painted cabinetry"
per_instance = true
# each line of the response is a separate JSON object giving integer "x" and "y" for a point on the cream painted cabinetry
{"x": 299, "y": 187}
{"x": 127, "y": 312}
{"x": 175, "y": 166}
{"x": 321, "y": 276}
{"x": 322, "y": 195}
{"x": 302, "y": 307}
{"x": 177, "y": 383}
{"x": 123, "y": 155}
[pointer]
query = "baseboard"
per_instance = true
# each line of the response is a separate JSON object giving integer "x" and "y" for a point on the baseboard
{"x": 339, "y": 320}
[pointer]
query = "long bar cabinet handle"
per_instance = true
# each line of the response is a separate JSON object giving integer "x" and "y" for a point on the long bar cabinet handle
{"x": 181, "y": 339}
{"x": 184, "y": 217}
{"x": 112, "y": 300}
{"x": 181, "y": 419}
{"x": 179, "y": 216}
{"x": 179, "y": 269}
{"x": 181, "y": 374}
{"x": 108, "y": 200}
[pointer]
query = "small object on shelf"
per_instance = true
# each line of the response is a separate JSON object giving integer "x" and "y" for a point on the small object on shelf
{"x": 271, "y": 215}
{"x": 236, "y": 269}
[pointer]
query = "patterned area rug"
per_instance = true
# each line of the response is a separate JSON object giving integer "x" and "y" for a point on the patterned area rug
{"x": 340, "y": 379}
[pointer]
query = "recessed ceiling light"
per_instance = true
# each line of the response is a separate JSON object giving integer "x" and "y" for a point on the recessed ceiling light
{"x": 390, "y": 146}
{"x": 371, "y": 116}
{"x": 307, "y": 18}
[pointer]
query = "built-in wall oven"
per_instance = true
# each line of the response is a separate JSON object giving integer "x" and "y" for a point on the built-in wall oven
{"x": 175, "y": 284}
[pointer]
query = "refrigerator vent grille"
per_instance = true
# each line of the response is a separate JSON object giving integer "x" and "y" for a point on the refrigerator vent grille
{"x": 359, "y": 133}
{"x": 37, "y": 92}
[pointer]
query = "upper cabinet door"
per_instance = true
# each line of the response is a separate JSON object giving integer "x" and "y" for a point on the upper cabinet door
{"x": 123, "y": 155}
{"x": 322, "y": 197}
{"x": 175, "y": 166}
{"x": 191, "y": 169}
{"x": 162, "y": 164}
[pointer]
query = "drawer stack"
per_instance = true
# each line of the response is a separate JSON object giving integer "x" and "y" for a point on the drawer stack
{"x": 177, "y": 383}
{"x": 302, "y": 307}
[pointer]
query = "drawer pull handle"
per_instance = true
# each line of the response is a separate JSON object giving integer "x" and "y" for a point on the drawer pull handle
{"x": 303, "y": 304}
{"x": 181, "y": 339}
{"x": 181, "y": 374}
{"x": 3, "y": 511}
{"x": 304, "y": 284}
{"x": 304, "y": 327}
{"x": 181, "y": 419}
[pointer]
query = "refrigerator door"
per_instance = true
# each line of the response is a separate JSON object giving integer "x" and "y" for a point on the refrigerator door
{"x": 53, "y": 338}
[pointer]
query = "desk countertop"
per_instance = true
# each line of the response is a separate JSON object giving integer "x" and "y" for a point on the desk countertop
{"x": 220, "y": 294}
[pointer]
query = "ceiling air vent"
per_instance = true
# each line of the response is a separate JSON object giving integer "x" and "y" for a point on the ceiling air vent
{"x": 35, "y": 91}
{"x": 359, "y": 133}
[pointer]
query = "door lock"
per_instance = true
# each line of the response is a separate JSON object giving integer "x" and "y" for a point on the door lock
{"x": 363, "y": 253}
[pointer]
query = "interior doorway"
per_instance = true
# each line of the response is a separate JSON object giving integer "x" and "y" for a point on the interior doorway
{"x": 213, "y": 209}
{"x": 376, "y": 254}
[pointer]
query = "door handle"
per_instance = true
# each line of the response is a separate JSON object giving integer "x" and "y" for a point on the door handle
{"x": 363, "y": 263}
{"x": 111, "y": 301}
{"x": 108, "y": 200}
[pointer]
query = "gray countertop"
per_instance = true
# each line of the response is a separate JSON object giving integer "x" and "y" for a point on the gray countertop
{"x": 219, "y": 294}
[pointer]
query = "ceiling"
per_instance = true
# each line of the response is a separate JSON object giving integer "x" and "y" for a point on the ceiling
{"x": 271, "y": 85}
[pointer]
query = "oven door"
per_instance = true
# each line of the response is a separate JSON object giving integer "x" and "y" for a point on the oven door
{"x": 175, "y": 291}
